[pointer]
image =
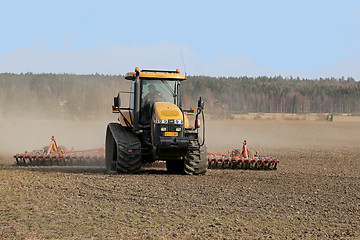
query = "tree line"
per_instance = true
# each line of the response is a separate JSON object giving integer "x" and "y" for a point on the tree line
{"x": 54, "y": 96}
{"x": 72, "y": 96}
{"x": 276, "y": 94}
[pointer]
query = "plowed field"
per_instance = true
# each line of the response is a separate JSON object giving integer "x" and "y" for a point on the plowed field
{"x": 315, "y": 193}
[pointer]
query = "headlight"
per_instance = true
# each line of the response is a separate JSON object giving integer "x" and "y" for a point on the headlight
{"x": 163, "y": 129}
{"x": 178, "y": 121}
{"x": 178, "y": 129}
{"x": 162, "y": 121}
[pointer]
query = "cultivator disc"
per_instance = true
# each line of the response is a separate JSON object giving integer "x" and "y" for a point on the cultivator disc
{"x": 222, "y": 161}
{"x": 83, "y": 157}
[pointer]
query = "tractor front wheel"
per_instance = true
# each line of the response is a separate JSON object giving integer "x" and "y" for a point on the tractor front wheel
{"x": 195, "y": 161}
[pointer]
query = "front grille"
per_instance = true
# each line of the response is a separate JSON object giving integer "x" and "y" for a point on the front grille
{"x": 171, "y": 127}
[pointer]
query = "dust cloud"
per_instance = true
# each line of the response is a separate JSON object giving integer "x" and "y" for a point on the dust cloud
{"x": 30, "y": 126}
{"x": 21, "y": 134}
{"x": 264, "y": 134}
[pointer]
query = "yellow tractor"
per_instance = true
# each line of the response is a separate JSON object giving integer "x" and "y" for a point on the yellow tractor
{"x": 155, "y": 127}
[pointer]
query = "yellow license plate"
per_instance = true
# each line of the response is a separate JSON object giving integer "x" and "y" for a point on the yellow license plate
{"x": 171, "y": 134}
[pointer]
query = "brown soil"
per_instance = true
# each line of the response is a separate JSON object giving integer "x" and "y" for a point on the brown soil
{"x": 315, "y": 193}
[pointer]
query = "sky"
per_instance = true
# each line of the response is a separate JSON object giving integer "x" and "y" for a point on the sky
{"x": 306, "y": 39}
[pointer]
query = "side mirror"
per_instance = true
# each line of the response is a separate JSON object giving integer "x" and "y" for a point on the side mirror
{"x": 117, "y": 101}
{"x": 200, "y": 103}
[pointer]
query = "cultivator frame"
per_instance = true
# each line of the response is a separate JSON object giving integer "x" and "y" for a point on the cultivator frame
{"x": 80, "y": 157}
{"x": 223, "y": 161}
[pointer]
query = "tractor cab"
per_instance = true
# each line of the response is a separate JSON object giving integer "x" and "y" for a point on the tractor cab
{"x": 154, "y": 126}
{"x": 147, "y": 88}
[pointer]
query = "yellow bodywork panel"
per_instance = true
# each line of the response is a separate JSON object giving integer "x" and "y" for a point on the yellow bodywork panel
{"x": 156, "y": 75}
{"x": 166, "y": 110}
{"x": 127, "y": 116}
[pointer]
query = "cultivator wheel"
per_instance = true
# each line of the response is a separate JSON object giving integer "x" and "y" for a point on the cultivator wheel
{"x": 223, "y": 161}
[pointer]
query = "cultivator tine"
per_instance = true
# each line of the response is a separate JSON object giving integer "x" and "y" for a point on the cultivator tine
{"x": 233, "y": 163}
{"x": 81, "y": 160}
{"x": 18, "y": 159}
{"x": 226, "y": 162}
{"x": 246, "y": 163}
{"x": 73, "y": 160}
{"x": 252, "y": 163}
{"x": 219, "y": 162}
{"x": 212, "y": 162}
{"x": 259, "y": 163}
{"x": 266, "y": 164}
{"x": 40, "y": 159}
{"x": 32, "y": 159}
{"x": 61, "y": 160}
{"x": 56, "y": 159}
{"x": 240, "y": 163}
{"x": 24, "y": 158}
{"x": 67, "y": 159}
{"x": 274, "y": 163}
{"x": 37, "y": 159}
{"x": 16, "y": 156}
{"x": 27, "y": 157}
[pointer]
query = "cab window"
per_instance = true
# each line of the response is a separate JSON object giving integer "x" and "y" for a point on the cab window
{"x": 155, "y": 91}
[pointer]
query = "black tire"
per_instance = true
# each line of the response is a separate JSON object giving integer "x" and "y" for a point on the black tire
{"x": 195, "y": 161}
{"x": 122, "y": 149}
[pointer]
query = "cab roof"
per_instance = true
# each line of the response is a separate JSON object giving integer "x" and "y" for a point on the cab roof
{"x": 157, "y": 74}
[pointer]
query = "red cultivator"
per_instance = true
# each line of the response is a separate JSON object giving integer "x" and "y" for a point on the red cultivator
{"x": 54, "y": 155}
{"x": 217, "y": 160}
{"x": 82, "y": 157}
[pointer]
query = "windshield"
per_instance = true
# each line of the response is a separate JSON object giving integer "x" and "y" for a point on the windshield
{"x": 155, "y": 91}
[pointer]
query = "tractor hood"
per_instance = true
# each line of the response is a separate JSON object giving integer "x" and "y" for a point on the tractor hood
{"x": 166, "y": 110}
